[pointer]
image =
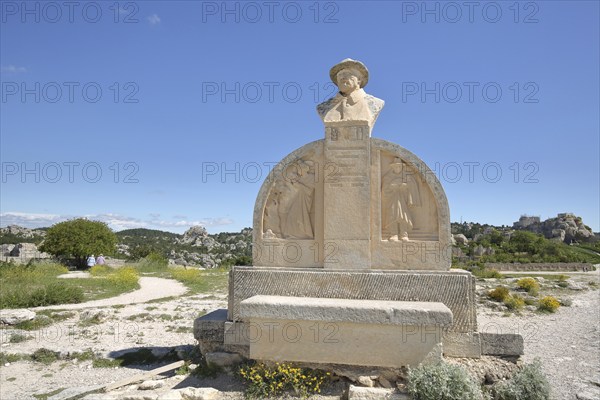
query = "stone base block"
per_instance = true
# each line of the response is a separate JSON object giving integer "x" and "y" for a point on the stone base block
{"x": 459, "y": 344}
{"x": 455, "y": 289}
{"x": 502, "y": 344}
{"x": 350, "y": 332}
{"x": 223, "y": 359}
{"x": 209, "y": 331}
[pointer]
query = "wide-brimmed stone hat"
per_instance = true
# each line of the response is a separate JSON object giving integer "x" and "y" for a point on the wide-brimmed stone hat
{"x": 397, "y": 161}
{"x": 353, "y": 64}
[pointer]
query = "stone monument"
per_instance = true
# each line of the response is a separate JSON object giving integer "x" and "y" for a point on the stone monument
{"x": 351, "y": 255}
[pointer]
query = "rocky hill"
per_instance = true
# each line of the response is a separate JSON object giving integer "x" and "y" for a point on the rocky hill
{"x": 14, "y": 234}
{"x": 556, "y": 240}
{"x": 194, "y": 247}
{"x": 566, "y": 227}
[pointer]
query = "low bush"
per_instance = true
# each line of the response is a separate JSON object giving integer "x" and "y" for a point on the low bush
{"x": 271, "y": 380}
{"x": 125, "y": 277}
{"x": 100, "y": 270}
{"x": 34, "y": 285}
{"x": 40, "y": 295}
{"x": 485, "y": 273}
{"x": 515, "y": 302}
{"x": 18, "y": 338}
{"x": 549, "y": 304}
{"x": 500, "y": 293}
{"x": 529, "y": 383}
{"x": 45, "y": 356}
{"x": 442, "y": 382}
{"x": 530, "y": 285}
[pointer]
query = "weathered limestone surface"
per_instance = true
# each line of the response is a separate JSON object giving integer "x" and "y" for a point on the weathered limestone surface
{"x": 455, "y": 289}
{"x": 461, "y": 344}
{"x": 362, "y": 209}
{"x": 343, "y": 310}
{"x": 349, "y": 332}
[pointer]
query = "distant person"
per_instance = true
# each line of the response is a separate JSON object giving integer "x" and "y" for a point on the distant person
{"x": 100, "y": 260}
{"x": 91, "y": 261}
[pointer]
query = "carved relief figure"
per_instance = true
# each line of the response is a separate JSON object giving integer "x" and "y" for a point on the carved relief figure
{"x": 400, "y": 193}
{"x": 352, "y": 103}
{"x": 289, "y": 212}
{"x": 297, "y": 220}
{"x": 271, "y": 222}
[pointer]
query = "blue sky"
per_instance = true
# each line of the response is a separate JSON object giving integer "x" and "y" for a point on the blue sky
{"x": 119, "y": 111}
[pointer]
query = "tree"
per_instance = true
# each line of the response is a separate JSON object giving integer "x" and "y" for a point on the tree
{"x": 79, "y": 238}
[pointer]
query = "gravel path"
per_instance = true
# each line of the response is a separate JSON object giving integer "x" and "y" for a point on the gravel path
{"x": 568, "y": 343}
{"x": 150, "y": 289}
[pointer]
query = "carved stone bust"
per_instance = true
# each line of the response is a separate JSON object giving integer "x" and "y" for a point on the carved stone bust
{"x": 352, "y": 103}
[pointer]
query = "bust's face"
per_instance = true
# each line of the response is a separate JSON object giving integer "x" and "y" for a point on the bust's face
{"x": 348, "y": 81}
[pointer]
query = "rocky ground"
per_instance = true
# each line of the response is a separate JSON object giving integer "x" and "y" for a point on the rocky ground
{"x": 568, "y": 343}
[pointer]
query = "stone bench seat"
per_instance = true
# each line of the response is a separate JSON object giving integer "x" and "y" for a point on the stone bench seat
{"x": 342, "y": 331}
{"x": 345, "y": 310}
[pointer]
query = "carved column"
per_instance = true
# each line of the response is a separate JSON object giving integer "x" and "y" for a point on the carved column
{"x": 347, "y": 195}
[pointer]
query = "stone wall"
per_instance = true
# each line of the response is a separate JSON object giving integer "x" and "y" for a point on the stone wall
{"x": 539, "y": 266}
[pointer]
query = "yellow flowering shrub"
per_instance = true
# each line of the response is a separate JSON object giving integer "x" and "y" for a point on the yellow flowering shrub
{"x": 499, "y": 293}
{"x": 548, "y": 303}
{"x": 515, "y": 302}
{"x": 124, "y": 277}
{"x": 271, "y": 380}
{"x": 530, "y": 285}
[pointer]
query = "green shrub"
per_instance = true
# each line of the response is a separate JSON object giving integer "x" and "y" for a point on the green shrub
{"x": 152, "y": 263}
{"x": 499, "y": 293}
{"x": 549, "y": 304}
{"x": 530, "y": 285}
{"x": 100, "y": 270}
{"x": 442, "y": 382}
{"x": 18, "y": 338}
{"x": 44, "y": 295}
{"x": 45, "y": 356}
{"x": 515, "y": 302}
{"x": 188, "y": 276}
{"x": 529, "y": 383}
{"x": 106, "y": 363}
{"x": 485, "y": 273}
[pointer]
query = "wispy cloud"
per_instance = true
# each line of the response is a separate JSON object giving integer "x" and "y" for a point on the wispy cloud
{"x": 12, "y": 69}
{"x": 116, "y": 222}
{"x": 30, "y": 220}
{"x": 153, "y": 19}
